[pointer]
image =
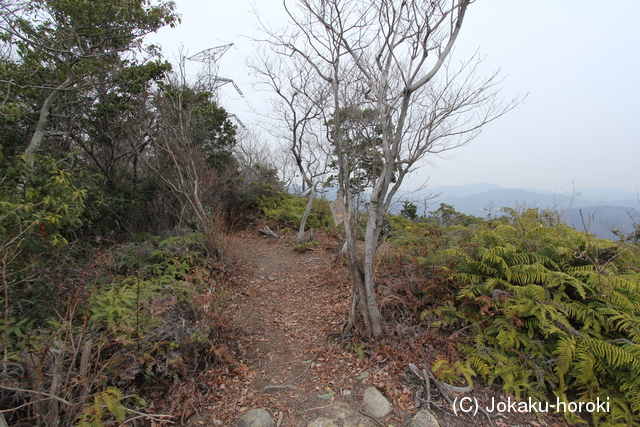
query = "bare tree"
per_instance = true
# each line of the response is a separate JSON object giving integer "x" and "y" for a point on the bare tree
{"x": 254, "y": 155}
{"x": 392, "y": 57}
{"x": 299, "y": 106}
{"x": 181, "y": 156}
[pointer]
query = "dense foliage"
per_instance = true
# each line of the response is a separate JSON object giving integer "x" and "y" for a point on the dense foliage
{"x": 287, "y": 210}
{"x": 103, "y": 147}
{"x": 537, "y": 307}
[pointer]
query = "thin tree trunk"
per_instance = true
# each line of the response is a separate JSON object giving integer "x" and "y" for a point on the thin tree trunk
{"x": 358, "y": 298}
{"x": 303, "y": 221}
{"x": 370, "y": 246}
{"x": 43, "y": 120}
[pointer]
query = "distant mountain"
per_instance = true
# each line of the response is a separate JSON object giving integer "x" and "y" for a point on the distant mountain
{"x": 609, "y": 195}
{"x": 603, "y": 220}
{"x": 463, "y": 190}
{"x": 601, "y": 210}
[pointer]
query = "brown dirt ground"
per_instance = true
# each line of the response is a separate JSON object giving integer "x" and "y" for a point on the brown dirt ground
{"x": 286, "y": 312}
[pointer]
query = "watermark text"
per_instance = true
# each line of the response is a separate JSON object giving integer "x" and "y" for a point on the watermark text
{"x": 471, "y": 405}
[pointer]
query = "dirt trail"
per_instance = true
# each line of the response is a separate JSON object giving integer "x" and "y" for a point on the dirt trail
{"x": 286, "y": 311}
{"x": 288, "y": 307}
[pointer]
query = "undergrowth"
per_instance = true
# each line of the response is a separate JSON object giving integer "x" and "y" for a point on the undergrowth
{"x": 287, "y": 210}
{"x": 540, "y": 309}
{"x": 119, "y": 336}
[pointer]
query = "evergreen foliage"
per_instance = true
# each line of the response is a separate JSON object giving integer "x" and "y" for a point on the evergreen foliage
{"x": 288, "y": 209}
{"x": 545, "y": 310}
{"x": 39, "y": 204}
{"x": 409, "y": 211}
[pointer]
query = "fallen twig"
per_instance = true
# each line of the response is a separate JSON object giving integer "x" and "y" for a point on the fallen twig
{"x": 41, "y": 393}
{"x": 370, "y": 417}
{"x": 268, "y": 232}
{"x": 316, "y": 408}
{"x": 154, "y": 417}
{"x": 427, "y": 384}
{"x": 307, "y": 261}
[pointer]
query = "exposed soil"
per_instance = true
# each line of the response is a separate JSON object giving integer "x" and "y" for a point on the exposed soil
{"x": 287, "y": 312}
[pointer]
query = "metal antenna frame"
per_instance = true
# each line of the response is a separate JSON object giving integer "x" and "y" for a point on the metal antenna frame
{"x": 210, "y": 58}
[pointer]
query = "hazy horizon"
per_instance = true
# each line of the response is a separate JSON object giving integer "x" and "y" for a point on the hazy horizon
{"x": 574, "y": 59}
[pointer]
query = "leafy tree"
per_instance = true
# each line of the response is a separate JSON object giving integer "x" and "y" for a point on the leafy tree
{"x": 40, "y": 204}
{"x": 210, "y": 129}
{"x": 15, "y": 105}
{"x": 112, "y": 130}
{"x": 409, "y": 211}
{"x": 360, "y": 139}
{"x": 199, "y": 122}
{"x": 446, "y": 215}
{"x": 71, "y": 44}
{"x": 191, "y": 155}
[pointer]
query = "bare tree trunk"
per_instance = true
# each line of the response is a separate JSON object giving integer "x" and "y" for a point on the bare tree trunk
{"x": 43, "y": 119}
{"x": 370, "y": 245}
{"x": 384, "y": 56}
{"x": 358, "y": 298}
{"x": 303, "y": 221}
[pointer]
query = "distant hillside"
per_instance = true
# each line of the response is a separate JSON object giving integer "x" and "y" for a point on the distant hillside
{"x": 602, "y": 220}
{"x": 602, "y": 210}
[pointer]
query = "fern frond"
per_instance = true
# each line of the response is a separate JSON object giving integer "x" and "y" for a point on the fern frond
{"x": 506, "y": 232}
{"x": 530, "y": 273}
{"x": 615, "y": 356}
{"x": 566, "y": 352}
{"x": 617, "y": 299}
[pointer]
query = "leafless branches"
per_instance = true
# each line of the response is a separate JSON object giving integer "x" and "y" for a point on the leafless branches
{"x": 393, "y": 58}
{"x": 299, "y": 109}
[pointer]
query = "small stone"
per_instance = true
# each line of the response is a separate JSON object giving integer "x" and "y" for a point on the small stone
{"x": 424, "y": 418}
{"x": 256, "y": 418}
{"x": 363, "y": 376}
{"x": 322, "y": 422}
{"x": 375, "y": 404}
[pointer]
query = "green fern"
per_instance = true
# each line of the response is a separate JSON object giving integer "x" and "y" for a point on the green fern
{"x": 460, "y": 372}
{"x": 564, "y": 313}
{"x": 106, "y": 404}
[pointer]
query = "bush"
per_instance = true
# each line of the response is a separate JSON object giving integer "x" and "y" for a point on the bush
{"x": 39, "y": 204}
{"x": 134, "y": 315}
{"x": 287, "y": 210}
{"x": 547, "y": 310}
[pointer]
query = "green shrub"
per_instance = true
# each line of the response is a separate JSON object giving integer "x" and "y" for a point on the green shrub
{"x": 40, "y": 204}
{"x": 118, "y": 306}
{"x": 288, "y": 209}
{"x": 549, "y": 310}
{"x": 305, "y": 247}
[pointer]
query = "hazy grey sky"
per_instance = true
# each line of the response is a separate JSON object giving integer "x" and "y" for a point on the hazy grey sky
{"x": 578, "y": 61}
